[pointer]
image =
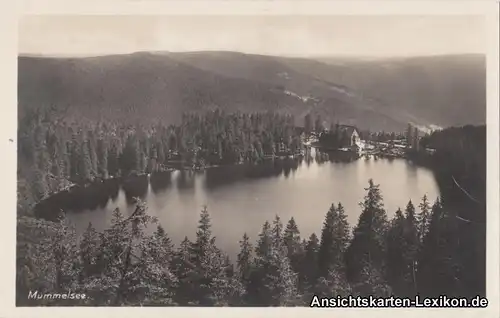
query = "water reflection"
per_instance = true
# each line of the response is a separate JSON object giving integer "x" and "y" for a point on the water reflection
{"x": 135, "y": 187}
{"x": 185, "y": 179}
{"x": 227, "y": 175}
{"x": 241, "y": 198}
{"x": 160, "y": 181}
{"x": 79, "y": 199}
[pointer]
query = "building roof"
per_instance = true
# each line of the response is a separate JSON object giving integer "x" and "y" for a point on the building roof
{"x": 348, "y": 128}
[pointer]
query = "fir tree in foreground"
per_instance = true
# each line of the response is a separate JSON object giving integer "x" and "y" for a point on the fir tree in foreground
{"x": 129, "y": 265}
{"x": 368, "y": 245}
{"x": 334, "y": 240}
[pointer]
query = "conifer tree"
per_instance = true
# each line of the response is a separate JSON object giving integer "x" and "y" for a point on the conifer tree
{"x": 116, "y": 284}
{"x": 213, "y": 287}
{"x": 130, "y": 159}
{"x": 342, "y": 228}
{"x": 156, "y": 281}
{"x": 265, "y": 241}
{"x": 64, "y": 150}
{"x": 439, "y": 268}
{"x": 65, "y": 255}
{"x": 327, "y": 249}
{"x": 92, "y": 146}
{"x": 50, "y": 264}
{"x": 277, "y": 233}
{"x": 164, "y": 242}
{"x": 397, "y": 269}
{"x": 367, "y": 247}
{"x": 198, "y": 251}
{"x": 34, "y": 261}
{"x": 203, "y": 237}
{"x": 102, "y": 158}
{"x": 41, "y": 154}
{"x": 333, "y": 284}
{"x": 281, "y": 281}
{"x": 56, "y": 160}
{"x": 423, "y": 218}
{"x": 184, "y": 270}
{"x": 75, "y": 159}
{"x": 161, "y": 152}
{"x": 245, "y": 260}
{"x": 278, "y": 284}
{"x": 86, "y": 173}
{"x": 229, "y": 267}
{"x": 291, "y": 239}
{"x": 113, "y": 162}
{"x": 89, "y": 248}
{"x": 263, "y": 250}
{"x": 334, "y": 241}
{"x": 372, "y": 283}
{"x": 412, "y": 246}
{"x": 309, "y": 268}
{"x": 430, "y": 247}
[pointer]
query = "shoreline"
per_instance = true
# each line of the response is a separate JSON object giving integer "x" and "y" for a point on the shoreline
{"x": 124, "y": 179}
{"x": 45, "y": 209}
{"x": 354, "y": 155}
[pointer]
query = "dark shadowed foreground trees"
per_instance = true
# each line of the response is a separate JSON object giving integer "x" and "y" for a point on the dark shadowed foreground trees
{"x": 129, "y": 265}
{"x": 429, "y": 248}
{"x": 459, "y": 163}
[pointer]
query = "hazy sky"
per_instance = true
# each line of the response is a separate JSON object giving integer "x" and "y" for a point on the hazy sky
{"x": 274, "y": 35}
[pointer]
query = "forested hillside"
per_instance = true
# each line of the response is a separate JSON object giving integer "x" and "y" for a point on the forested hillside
{"x": 377, "y": 95}
{"x": 447, "y": 90}
{"x": 136, "y": 88}
{"x": 84, "y": 120}
{"x": 427, "y": 248}
{"x": 53, "y": 154}
{"x": 459, "y": 165}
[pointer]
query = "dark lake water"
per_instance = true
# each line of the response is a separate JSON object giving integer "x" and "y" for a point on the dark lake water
{"x": 241, "y": 198}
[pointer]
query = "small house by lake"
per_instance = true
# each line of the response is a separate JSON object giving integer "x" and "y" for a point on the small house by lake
{"x": 343, "y": 136}
{"x": 352, "y": 133}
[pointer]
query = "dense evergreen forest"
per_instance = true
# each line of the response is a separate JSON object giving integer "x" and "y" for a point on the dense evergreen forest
{"x": 124, "y": 265}
{"x": 459, "y": 165}
{"x": 54, "y": 154}
{"x": 430, "y": 248}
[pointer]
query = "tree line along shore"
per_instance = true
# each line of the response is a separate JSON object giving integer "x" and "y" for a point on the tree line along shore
{"x": 124, "y": 265}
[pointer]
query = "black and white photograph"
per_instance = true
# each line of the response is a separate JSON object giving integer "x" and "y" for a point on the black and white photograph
{"x": 251, "y": 160}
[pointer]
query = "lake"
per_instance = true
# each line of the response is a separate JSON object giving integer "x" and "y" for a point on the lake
{"x": 241, "y": 198}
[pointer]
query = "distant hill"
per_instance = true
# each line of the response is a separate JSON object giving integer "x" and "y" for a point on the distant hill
{"x": 380, "y": 94}
{"x": 445, "y": 90}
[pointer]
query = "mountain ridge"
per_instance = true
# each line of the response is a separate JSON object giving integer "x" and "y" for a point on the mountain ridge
{"x": 165, "y": 84}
